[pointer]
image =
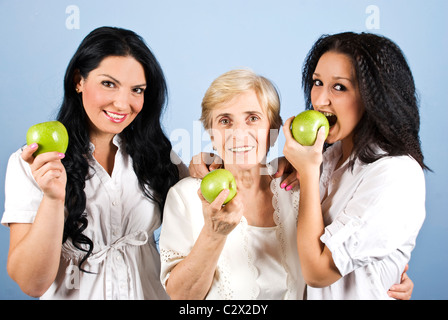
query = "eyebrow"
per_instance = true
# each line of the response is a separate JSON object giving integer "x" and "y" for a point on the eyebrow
{"x": 246, "y": 112}
{"x": 118, "y": 82}
{"x": 335, "y": 77}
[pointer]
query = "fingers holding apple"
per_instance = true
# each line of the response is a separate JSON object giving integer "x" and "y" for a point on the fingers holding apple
{"x": 47, "y": 143}
{"x": 219, "y": 219}
{"x": 49, "y": 173}
{"x": 221, "y": 206}
{"x": 303, "y": 158}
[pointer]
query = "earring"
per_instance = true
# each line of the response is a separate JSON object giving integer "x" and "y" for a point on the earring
{"x": 77, "y": 90}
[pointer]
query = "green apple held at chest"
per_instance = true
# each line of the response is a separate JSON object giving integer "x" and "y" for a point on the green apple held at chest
{"x": 305, "y": 125}
{"x": 50, "y": 136}
{"x": 216, "y": 181}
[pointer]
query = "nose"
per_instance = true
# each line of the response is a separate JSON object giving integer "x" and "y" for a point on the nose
{"x": 122, "y": 100}
{"x": 320, "y": 97}
{"x": 239, "y": 134}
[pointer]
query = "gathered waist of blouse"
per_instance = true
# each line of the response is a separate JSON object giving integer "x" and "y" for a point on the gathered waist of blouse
{"x": 138, "y": 238}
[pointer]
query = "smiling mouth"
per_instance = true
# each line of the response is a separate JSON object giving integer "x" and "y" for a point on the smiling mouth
{"x": 241, "y": 149}
{"x": 115, "y": 117}
{"x": 332, "y": 118}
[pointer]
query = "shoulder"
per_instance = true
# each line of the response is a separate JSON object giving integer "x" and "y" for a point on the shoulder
{"x": 398, "y": 167}
{"x": 185, "y": 190}
{"x": 187, "y": 184}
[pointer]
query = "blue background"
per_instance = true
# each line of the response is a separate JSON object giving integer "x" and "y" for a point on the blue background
{"x": 197, "y": 40}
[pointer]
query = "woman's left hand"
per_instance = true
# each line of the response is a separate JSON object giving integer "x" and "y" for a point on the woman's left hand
{"x": 303, "y": 158}
{"x": 403, "y": 290}
{"x": 203, "y": 163}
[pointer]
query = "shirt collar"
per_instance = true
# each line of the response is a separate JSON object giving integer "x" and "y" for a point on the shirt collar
{"x": 117, "y": 141}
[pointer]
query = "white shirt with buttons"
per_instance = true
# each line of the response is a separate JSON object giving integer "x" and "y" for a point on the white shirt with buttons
{"x": 125, "y": 263}
{"x": 372, "y": 215}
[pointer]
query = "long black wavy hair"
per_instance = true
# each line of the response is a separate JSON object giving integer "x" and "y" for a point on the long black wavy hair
{"x": 391, "y": 119}
{"x": 144, "y": 139}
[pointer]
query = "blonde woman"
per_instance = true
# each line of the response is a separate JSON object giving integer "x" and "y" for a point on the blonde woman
{"x": 247, "y": 248}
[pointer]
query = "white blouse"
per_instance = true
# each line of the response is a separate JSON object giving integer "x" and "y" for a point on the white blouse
{"x": 255, "y": 263}
{"x": 372, "y": 217}
{"x": 125, "y": 263}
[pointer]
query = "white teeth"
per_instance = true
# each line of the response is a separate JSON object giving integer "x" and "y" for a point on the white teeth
{"x": 327, "y": 114}
{"x": 114, "y": 116}
{"x": 241, "y": 149}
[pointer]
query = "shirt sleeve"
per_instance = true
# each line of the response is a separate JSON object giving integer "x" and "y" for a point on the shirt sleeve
{"x": 383, "y": 216}
{"x": 22, "y": 193}
{"x": 181, "y": 217}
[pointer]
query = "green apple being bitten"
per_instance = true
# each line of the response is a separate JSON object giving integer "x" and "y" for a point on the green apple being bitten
{"x": 50, "y": 136}
{"x": 216, "y": 181}
{"x": 305, "y": 125}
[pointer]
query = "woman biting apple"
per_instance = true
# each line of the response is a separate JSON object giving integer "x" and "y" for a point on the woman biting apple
{"x": 362, "y": 201}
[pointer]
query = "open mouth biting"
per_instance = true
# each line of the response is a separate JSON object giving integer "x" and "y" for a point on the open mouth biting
{"x": 332, "y": 118}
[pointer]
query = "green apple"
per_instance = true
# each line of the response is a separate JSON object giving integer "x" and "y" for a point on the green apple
{"x": 305, "y": 126}
{"x": 50, "y": 136}
{"x": 216, "y": 181}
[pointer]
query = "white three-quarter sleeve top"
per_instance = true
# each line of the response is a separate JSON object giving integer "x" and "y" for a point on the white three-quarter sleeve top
{"x": 372, "y": 215}
{"x": 125, "y": 263}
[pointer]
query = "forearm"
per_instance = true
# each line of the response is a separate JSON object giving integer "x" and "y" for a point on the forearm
{"x": 193, "y": 277}
{"x": 317, "y": 264}
{"x": 35, "y": 249}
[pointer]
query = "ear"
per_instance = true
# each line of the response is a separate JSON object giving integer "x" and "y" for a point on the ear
{"x": 79, "y": 81}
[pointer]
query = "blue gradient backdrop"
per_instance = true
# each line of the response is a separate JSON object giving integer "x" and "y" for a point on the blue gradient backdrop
{"x": 197, "y": 40}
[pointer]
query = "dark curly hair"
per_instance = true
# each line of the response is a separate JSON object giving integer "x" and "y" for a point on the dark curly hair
{"x": 144, "y": 139}
{"x": 391, "y": 119}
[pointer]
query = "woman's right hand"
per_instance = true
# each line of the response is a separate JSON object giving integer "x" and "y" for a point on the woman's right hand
{"x": 48, "y": 171}
{"x": 220, "y": 220}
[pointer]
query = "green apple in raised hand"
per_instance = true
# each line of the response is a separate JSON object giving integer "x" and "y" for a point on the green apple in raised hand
{"x": 305, "y": 125}
{"x": 50, "y": 136}
{"x": 216, "y": 181}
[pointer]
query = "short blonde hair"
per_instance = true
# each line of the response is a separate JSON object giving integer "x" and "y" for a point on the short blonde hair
{"x": 235, "y": 82}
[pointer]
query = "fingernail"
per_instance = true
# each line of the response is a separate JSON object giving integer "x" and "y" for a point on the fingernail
{"x": 288, "y": 188}
{"x": 61, "y": 155}
{"x": 33, "y": 146}
{"x": 283, "y": 185}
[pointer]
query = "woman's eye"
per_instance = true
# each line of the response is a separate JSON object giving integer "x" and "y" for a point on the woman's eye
{"x": 139, "y": 90}
{"x": 317, "y": 83}
{"x": 108, "y": 84}
{"x": 253, "y": 118}
{"x": 339, "y": 87}
{"x": 224, "y": 121}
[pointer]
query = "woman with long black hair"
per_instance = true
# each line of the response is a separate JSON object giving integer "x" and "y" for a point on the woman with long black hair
{"x": 362, "y": 202}
{"x": 82, "y": 223}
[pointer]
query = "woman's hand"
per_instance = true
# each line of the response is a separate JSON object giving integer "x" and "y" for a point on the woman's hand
{"x": 403, "y": 290}
{"x": 283, "y": 168}
{"x": 48, "y": 171}
{"x": 220, "y": 220}
{"x": 203, "y": 163}
{"x": 303, "y": 158}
